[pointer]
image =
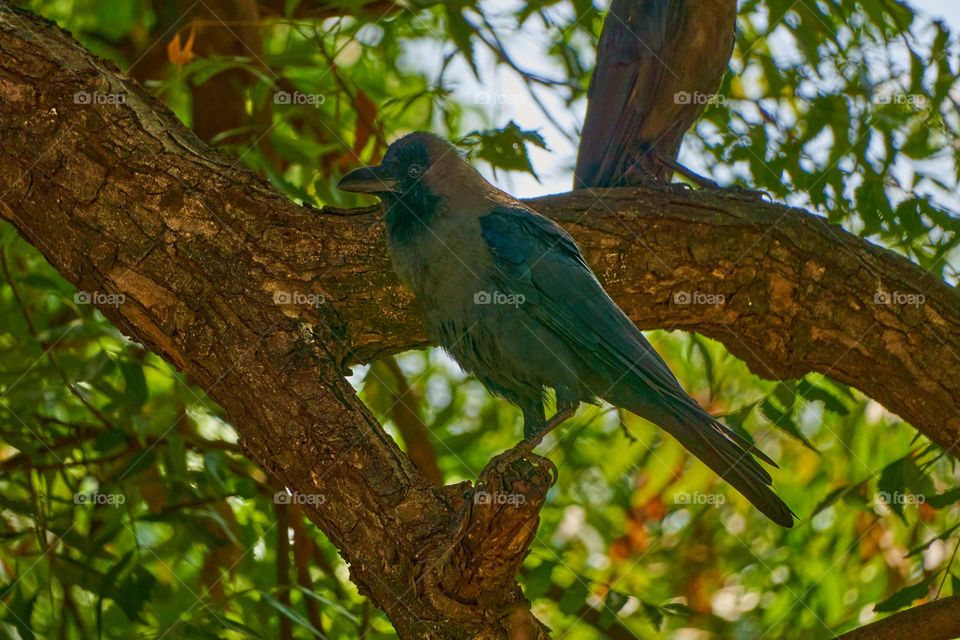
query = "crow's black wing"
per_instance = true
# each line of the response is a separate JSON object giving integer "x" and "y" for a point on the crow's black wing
{"x": 537, "y": 258}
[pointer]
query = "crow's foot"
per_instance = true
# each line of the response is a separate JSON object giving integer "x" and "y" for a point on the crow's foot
{"x": 525, "y": 447}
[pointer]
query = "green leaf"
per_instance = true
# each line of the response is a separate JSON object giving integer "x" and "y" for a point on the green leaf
{"x": 109, "y": 440}
{"x": 20, "y": 612}
{"x": 574, "y": 598}
{"x": 945, "y": 499}
{"x": 108, "y": 585}
{"x": 831, "y": 497}
{"x": 505, "y": 148}
{"x": 135, "y": 385}
{"x": 654, "y": 613}
{"x": 331, "y": 605}
{"x": 134, "y": 591}
{"x": 191, "y": 631}
{"x": 906, "y": 596}
{"x": 922, "y": 547}
{"x": 538, "y": 580}
{"x": 234, "y": 625}
{"x": 291, "y": 614}
{"x": 462, "y": 31}
{"x": 612, "y": 605}
{"x": 784, "y": 421}
{"x": 139, "y": 461}
{"x": 901, "y": 480}
{"x": 813, "y": 393}
{"x": 918, "y": 146}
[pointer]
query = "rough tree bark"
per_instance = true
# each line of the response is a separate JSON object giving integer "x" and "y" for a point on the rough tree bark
{"x": 121, "y": 198}
{"x": 936, "y": 620}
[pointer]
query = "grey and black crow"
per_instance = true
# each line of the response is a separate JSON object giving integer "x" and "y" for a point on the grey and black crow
{"x": 508, "y": 294}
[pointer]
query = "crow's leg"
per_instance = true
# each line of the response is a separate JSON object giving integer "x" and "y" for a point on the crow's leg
{"x": 534, "y": 420}
{"x": 532, "y": 437}
{"x": 530, "y": 441}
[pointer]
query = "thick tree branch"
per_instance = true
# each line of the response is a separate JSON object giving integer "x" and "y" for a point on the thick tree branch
{"x": 799, "y": 294}
{"x": 265, "y": 302}
{"x": 936, "y": 620}
{"x": 122, "y": 199}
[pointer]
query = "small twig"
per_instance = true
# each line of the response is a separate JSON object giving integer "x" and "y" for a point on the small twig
{"x": 301, "y": 562}
{"x": 500, "y": 51}
{"x": 24, "y": 459}
{"x": 283, "y": 568}
{"x": 364, "y": 625}
{"x": 946, "y": 574}
{"x": 25, "y": 463}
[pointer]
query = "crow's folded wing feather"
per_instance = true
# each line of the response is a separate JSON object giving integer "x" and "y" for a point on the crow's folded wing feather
{"x": 538, "y": 259}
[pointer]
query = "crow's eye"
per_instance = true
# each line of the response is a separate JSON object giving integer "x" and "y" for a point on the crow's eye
{"x": 415, "y": 171}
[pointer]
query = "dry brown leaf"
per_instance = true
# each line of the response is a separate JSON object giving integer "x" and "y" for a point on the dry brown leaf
{"x": 366, "y": 118}
{"x": 180, "y": 54}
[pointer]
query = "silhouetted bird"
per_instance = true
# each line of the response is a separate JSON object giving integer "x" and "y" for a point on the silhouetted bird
{"x": 659, "y": 63}
{"x": 509, "y": 296}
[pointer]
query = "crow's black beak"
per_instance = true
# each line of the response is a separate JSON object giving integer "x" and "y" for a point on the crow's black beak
{"x": 377, "y": 179}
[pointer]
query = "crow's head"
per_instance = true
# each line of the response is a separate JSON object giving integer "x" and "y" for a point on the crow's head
{"x": 418, "y": 171}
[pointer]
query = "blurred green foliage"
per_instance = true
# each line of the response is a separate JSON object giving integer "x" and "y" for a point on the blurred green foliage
{"x": 128, "y": 510}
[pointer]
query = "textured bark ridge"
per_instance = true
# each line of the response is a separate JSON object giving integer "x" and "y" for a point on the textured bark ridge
{"x": 934, "y": 620}
{"x": 266, "y": 303}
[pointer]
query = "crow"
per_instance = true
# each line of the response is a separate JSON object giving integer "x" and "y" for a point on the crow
{"x": 507, "y": 293}
{"x": 659, "y": 63}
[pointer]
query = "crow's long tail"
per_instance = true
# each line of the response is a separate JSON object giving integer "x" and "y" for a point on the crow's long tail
{"x": 729, "y": 455}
